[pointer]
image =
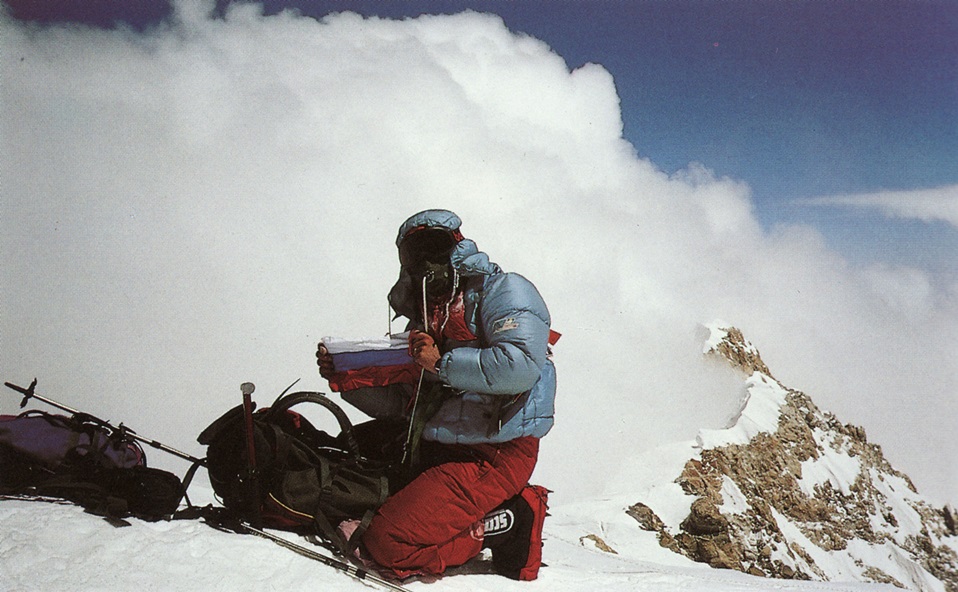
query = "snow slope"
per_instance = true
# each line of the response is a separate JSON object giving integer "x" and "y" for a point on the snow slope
{"x": 59, "y": 548}
{"x": 590, "y": 544}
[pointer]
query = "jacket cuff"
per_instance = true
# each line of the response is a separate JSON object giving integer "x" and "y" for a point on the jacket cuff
{"x": 440, "y": 366}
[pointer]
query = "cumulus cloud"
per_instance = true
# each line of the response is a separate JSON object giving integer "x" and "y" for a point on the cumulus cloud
{"x": 939, "y": 204}
{"x": 195, "y": 207}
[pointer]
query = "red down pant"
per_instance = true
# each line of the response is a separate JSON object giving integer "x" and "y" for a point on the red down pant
{"x": 435, "y": 522}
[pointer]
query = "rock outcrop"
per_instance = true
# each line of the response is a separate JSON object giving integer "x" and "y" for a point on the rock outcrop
{"x": 789, "y": 491}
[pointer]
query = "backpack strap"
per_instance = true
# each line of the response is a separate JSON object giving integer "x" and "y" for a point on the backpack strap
{"x": 327, "y": 530}
{"x": 357, "y": 535}
{"x": 330, "y": 537}
{"x": 345, "y": 426}
{"x": 188, "y": 478}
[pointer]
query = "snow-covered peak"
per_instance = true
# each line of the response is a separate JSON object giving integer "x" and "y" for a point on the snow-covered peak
{"x": 788, "y": 491}
{"x": 728, "y": 341}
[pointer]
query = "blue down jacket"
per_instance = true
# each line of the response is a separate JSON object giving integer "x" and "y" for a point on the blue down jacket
{"x": 504, "y": 380}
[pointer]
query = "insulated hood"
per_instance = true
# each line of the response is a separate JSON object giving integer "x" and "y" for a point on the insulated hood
{"x": 430, "y": 219}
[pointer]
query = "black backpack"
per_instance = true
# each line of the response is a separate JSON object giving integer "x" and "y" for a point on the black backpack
{"x": 305, "y": 480}
{"x": 86, "y": 461}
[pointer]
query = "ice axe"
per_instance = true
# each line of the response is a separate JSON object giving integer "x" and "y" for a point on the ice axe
{"x": 247, "y": 389}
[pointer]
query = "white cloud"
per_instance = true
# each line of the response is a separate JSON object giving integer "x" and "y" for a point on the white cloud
{"x": 194, "y": 208}
{"x": 939, "y": 204}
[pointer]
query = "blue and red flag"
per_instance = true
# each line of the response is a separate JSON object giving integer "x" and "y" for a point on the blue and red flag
{"x": 371, "y": 362}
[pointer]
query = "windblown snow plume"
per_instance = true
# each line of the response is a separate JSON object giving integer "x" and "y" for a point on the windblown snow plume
{"x": 193, "y": 207}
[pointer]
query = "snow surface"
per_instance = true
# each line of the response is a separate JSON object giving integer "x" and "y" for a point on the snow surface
{"x": 58, "y": 548}
{"x": 590, "y": 543}
{"x": 832, "y": 466}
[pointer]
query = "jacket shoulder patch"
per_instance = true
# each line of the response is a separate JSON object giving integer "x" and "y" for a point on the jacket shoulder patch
{"x": 503, "y": 325}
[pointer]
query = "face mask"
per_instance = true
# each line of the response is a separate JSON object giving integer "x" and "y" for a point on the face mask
{"x": 427, "y": 244}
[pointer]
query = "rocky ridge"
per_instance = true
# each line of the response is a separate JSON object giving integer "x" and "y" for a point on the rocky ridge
{"x": 789, "y": 491}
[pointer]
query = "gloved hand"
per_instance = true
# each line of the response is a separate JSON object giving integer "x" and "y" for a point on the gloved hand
{"x": 324, "y": 360}
{"x": 424, "y": 351}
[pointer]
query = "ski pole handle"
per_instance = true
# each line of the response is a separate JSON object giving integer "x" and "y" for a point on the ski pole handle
{"x": 30, "y": 393}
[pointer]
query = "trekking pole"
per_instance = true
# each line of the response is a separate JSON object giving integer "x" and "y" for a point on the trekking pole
{"x": 349, "y": 569}
{"x": 29, "y": 393}
{"x": 247, "y": 389}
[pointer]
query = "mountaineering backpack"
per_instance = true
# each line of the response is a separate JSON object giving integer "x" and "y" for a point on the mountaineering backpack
{"x": 80, "y": 459}
{"x": 298, "y": 477}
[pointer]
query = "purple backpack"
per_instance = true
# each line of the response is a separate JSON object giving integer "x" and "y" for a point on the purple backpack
{"x": 82, "y": 460}
{"x": 53, "y": 440}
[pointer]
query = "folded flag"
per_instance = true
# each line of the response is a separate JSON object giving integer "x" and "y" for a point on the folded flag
{"x": 371, "y": 362}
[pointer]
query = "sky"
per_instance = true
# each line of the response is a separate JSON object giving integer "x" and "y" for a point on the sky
{"x": 193, "y": 203}
{"x": 810, "y": 103}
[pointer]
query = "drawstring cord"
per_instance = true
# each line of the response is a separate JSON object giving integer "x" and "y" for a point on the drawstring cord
{"x": 425, "y": 306}
{"x": 422, "y": 371}
{"x": 407, "y": 448}
{"x": 455, "y": 288}
{"x": 425, "y": 303}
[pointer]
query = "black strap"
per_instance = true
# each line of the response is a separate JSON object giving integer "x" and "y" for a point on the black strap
{"x": 357, "y": 535}
{"x": 327, "y": 531}
{"x": 345, "y": 426}
{"x": 188, "y": 478}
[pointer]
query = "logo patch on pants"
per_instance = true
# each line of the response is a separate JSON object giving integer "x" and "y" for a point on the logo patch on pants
{"x": 499, "y": 522}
